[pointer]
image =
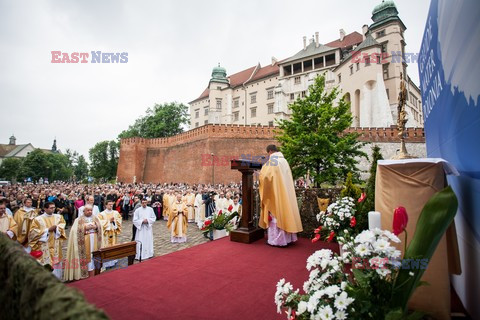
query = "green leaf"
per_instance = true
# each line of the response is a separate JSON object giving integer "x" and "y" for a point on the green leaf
{"x": 396, "y": 314}
{"x": 416, "y": 315}
{"x": 434, "y": 220}
{"x": 362, "y": 278}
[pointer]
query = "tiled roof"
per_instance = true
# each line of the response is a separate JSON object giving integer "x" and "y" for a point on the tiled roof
{"x": 6, "y": 149}
{"x": 239, "y": 78}
{"x": 348, "y": 41}
{"x": 309, "y": 51}
{"x": 266, "y": 71}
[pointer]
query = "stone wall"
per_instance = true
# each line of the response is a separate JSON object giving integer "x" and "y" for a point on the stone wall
{"x": 187, "y": 157}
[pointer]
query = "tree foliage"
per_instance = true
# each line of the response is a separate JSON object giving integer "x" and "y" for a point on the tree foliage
{"x": 104, "y": 160}
{"x": 313, "y": 139}
{"x": 163, "y": 120}
{"x": 10, "y": 169}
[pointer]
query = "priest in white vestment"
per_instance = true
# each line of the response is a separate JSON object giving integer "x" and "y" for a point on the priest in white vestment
{"x": 90, "y": 201}
{"x": 143, "y": 220}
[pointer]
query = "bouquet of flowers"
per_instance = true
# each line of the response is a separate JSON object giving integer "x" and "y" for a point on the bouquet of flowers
{"x": 340, "y": 216}
{"x": 369, "y": 280}
{"x": 219, "y": 221}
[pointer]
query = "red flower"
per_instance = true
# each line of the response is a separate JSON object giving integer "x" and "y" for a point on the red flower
{"x": 220, "y": 212}
{"x": 353, "y": 222}
{"x": 293, "y": 315}
{"x": 230, "y": 208}
{"x": 317, "y": 237}
{"x": 362, "y": 197}
{"x": 331, "y": 236}
{"x": 207, "y": 222}
{"x": 318, "y": 230}
{"x": 400, "y": 220}
{"x": 36, "y": 254}
{"x": 269, "y": 218}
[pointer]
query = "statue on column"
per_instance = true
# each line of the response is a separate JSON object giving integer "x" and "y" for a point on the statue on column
{"x": 402, "y": 120}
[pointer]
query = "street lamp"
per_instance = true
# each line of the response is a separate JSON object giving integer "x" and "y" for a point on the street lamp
{"x": 213, "y": 170}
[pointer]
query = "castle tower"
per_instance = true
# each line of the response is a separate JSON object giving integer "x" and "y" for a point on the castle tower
{"x": 12, "y": 140}
{"x": 218, "y": 83}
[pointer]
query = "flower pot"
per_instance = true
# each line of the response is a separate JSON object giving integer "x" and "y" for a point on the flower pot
{"x": 218, "y": 234}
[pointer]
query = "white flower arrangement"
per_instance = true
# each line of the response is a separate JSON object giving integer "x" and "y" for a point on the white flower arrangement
{"x": 330, "y": 291}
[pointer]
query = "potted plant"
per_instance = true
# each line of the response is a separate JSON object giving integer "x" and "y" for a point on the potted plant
{"x": 219, "y": 224}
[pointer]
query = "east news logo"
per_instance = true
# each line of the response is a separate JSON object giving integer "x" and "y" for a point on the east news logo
{"x": 96, "y": 57}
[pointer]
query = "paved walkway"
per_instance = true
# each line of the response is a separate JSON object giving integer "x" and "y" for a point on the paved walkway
{"x": 161, "y": 235}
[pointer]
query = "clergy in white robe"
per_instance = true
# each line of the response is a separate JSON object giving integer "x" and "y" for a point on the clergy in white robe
{"x": 199, "y": 208}
{"x": 189, "y": 200}
{"x": 143, "y": 220}
{"x": 90, "y": 201}
{"x": 111, "y": 222}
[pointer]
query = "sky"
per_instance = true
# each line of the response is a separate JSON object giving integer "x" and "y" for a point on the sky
{"x": 172, "y": 47}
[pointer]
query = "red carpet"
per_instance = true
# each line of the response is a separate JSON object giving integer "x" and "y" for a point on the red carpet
{"x": 216, "y": 280}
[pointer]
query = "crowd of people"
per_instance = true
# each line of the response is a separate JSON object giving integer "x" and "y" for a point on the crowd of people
{"x": 37, "y": 215}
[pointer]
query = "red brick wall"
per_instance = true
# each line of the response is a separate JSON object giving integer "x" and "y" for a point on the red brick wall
{"x": 187, "y": 157}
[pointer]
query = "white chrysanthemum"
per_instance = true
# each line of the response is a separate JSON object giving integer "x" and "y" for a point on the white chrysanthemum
{"x": 411, "y": 274}
{"x": 325, "y": 313}
{"x": 365, "y": 236}
{"x": 395, "y": 253}
{"x": 343, "y": 285}
{"x": 362, "y": 250}
{"x": 381, "y": 245}
{"x": 341, "y": 315}
{"x": 331, "y": 291}
{"x": 312, "y": 304}
{"x": 383, "y": 272}
{"x": 342, "y": 301}
{"x": 391, "y": 236}
{"x": 302, "y": 307}
{"x": 280, "y": 283}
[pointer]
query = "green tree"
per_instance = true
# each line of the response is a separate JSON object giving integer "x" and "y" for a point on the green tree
{"x": 163, "y": 120}
{"x": 313, "y": 139}
{"x": 60, "y": 167}
{"x": 81, "y": 168}
{"x": 10, "y": 169}
{"x": 36, "y": 166}
{"x": 350, "y": 189}
{"x": 104, "y": 160}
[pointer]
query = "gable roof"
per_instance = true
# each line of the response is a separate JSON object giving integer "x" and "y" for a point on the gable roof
{"x": 6, "y": 149}
{"x": 266, "y": 71}
{"x": 310, "y": 50}
{"x": 348, "y": 41}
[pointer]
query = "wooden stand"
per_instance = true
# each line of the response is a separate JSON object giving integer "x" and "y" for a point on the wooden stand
{"x": 118, "y": 251}
{"x": 246, "y": 232}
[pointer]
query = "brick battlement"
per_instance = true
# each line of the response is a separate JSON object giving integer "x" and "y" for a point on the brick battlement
{"x": 205, "y": 132}
{"x": 388, "y": 134}
{"x": 267, "y": 132}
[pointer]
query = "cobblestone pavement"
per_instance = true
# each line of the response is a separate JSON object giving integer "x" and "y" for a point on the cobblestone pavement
{"x": 161, "y": 235}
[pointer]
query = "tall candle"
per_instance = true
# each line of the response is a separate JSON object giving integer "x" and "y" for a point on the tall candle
{"x": 374, "y": 220}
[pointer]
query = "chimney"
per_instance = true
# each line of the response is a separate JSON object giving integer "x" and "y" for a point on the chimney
{"x": 274, "y": 60}
{"x": 316, "y": 40}
{"x": 364, "y": 31}
{"x": 342, "y": 34}
{"x": 304, "y": 43}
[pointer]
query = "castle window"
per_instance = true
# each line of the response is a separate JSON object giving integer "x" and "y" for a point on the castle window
{"x": 292, "y": 96}
{"x": 235, "y": 116}
{"x": 253, "y": 112}
{"x": 236, "y": 103}
{"x": 270, "y": 123}
{"x": 206, "y": 122}
{"x": 358, "y": 66}
{"x": 196, "y": 124}
{"x": 270, "y": 94}
{"x": 304, "y": 93}
{"x": 385, "y": 71}
{"x": 205, "y": 111}
{"x": 351, "y": 69}
{"x": 253, "y": 97}
{"x": 297, "y": 80}
{"x": 270, "y": 108}
{"x": 367, "y": 61}
{"x": 219, "y": 103}
{"x": 197, "y": 113}
{"x": 381, "y": 33}
{"x": 339, "y": 77}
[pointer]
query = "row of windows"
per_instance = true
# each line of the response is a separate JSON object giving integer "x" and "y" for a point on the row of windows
{"x": 197, "y": 112}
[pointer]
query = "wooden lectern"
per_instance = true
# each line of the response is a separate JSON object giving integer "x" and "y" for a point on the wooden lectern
{"x": 118, "y": 251}
{"x": 246, "y": 232}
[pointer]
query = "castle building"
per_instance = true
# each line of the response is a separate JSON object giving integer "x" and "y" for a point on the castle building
{"x": 365, "y": 66}
{"x": 14, "y": 150}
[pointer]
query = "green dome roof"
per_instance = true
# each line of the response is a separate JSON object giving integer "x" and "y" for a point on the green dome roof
{"x": 384, "y": 10}
{"x": 219, "y": 74}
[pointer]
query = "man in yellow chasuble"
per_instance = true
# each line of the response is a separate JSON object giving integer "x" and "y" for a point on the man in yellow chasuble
{"x": 111, "y": 222}
{"x": 177, "y": 221}
{"x": 279, "y": 208}
{"x": 7, "y": 223}
{"x": 24, "y": 218}
{"x": 85, "y": 237}
{"x": 46, "y": 234}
